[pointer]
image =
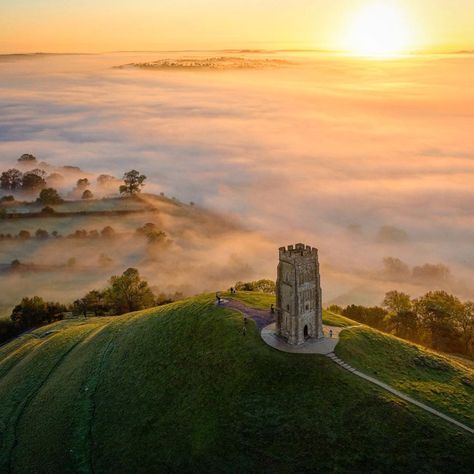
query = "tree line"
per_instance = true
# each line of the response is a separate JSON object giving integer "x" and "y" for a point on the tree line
{"x": 438, "y": 319}
{"x": 149, "y": 231}
{"x": 36, "y": 180}
{"x": 125, "y": 293}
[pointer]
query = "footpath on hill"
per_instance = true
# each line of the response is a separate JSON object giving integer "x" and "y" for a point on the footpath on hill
{"x": 265, "y": 321}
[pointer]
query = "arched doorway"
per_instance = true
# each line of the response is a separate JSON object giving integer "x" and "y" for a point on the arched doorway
{"x": 305, "y": 332}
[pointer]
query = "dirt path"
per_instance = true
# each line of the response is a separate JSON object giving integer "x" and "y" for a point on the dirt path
{"x": 260, "y": 316}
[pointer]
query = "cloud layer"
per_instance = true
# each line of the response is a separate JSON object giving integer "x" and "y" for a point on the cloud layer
{"x": 343, "y": 154}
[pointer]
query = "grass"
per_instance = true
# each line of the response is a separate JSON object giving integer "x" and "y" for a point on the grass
{"x": 333, "y": 319}
{"x": 393, "y": 361}
{"x": 412, "y": 369}
{"x": 179, "y": 389}
{"x": 254, "y": 299}
{"x": 259, "y": 300}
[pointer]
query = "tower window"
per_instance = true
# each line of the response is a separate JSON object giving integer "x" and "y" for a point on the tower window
{"x": 307, "y": 307}
{"x": 288, "y": 307}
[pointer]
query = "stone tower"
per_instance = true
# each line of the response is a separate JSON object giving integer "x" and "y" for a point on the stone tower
{"x": 298, "y": 291}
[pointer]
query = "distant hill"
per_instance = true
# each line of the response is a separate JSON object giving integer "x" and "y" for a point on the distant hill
{"x": 180, "y": 389}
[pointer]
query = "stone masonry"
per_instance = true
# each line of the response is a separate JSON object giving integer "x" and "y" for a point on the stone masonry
{"x": 298, "y": 289}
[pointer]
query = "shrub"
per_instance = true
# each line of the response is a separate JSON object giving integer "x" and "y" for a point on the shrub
{"x": 265, "y": 286}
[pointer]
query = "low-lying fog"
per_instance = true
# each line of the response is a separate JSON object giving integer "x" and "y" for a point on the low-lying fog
{"x": 363, "y": 159}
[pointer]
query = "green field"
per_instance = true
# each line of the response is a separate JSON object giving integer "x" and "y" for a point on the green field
{"x": 179, "y": 389}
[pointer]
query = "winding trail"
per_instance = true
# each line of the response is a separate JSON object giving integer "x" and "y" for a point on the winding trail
{"x": 260, "y": 316}
{"x": 266, "y": 324}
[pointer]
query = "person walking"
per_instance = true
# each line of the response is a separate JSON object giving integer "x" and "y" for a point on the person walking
{"x": 330, "y": 333}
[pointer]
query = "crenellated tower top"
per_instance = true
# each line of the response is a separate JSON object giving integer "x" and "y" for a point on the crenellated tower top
{"x": 298, "y": 250}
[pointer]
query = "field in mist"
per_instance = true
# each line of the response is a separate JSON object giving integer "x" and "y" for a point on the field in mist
{"x": 363, "y": 159}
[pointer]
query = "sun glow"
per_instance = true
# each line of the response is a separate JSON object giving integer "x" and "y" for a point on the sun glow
{"x": 379, "y": 30}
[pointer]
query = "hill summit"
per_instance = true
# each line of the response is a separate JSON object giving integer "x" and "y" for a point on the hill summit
{"x": 181, "y": 388}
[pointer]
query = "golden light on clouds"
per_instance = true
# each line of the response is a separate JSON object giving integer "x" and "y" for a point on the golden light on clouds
{"x": 380, "y": 30}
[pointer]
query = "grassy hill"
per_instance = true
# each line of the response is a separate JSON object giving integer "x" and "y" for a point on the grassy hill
{"x": 441, "y": 382}
{"x": 180, "y": 389}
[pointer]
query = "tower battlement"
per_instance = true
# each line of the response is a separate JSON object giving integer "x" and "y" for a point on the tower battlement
{"x": 298, "y": 250}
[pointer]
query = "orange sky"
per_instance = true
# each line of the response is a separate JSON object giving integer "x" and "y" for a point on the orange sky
{"x": 73, "y": 25}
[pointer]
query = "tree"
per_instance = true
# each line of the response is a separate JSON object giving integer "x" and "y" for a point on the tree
{"x": 335, "y": 308}
{"x": 129, "y": 292}
{"x": 404, "y": 324}
{"x": 33, "y": 181}
{"x": 105, "y": 179}
{"x": 8, "y": 329}
{"x": 11, "y": 180}
{"x": 264, "y": 286}
{"x": 39, "y": 172}
{"x": 400, "y": 320}
{"x": 82, "y": 184}
{"x": 41, "y": 234}
{"x": 396, "y": 269}
{"x": 465, "y": 323}
{"x": 152, "y": 234}
{"x": 27, "y": 158}
{"x": 107, "y": 232}
{"x": 95, "y": 301}
{"x": 396, "y": 301}
{"x": 33, "y": 312}
{"x": 437, "y": 312}
{"x": 47, "y": 210}
{"x": 79, "y": 307}
{"x": 24, "y": 235}
{"x": 373, "y": 316}
{"x": 49, "y": 196}
{"x": 134, "y": 181}
{"x": 54, "y": 179}
{"x": 87, "y": 194}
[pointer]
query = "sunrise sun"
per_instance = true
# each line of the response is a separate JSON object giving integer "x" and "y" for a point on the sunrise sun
{"x": 379, "y": 30}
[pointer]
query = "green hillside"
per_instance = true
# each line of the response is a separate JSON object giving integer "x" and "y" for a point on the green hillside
{"x": 439, "y": 381}
{"x": 180, "y": 389}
